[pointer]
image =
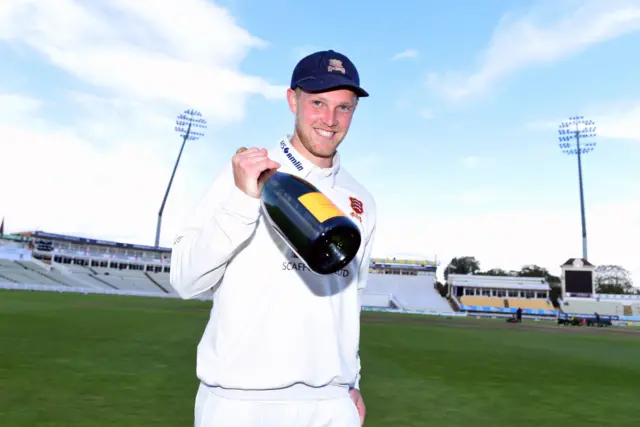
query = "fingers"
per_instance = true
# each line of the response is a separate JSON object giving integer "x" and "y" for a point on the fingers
{"x": 249, "y": 151}
{"x": 262, "y": 163}
{"x": 252, "y": 150}
{"x": 249, "y": 165}
{"x": 254, "y": 158}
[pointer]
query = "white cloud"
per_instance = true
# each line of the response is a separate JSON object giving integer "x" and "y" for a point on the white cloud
{"x": 95, "y": 160}
{"x": 405, "y": 54}
{"x": 150, "y": 50}
{"x": 512, "y": 238}
{"x": 13, "y": 106}
{"x": 613, "y": 120}
{"x": 523, "y": 42}
{"x": 622, "y": 123}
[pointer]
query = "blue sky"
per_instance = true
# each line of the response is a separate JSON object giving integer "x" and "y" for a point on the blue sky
{"x": 457, "y": 143}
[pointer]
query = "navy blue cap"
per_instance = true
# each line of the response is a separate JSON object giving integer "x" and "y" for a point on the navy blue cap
{"x": 326, "y": 70}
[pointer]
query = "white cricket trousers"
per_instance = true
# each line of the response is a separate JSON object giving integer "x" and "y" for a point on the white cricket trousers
{"x": 212, "y": 410}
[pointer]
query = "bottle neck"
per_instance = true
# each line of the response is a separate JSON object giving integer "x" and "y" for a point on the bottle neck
{"x": 265, "y": 179}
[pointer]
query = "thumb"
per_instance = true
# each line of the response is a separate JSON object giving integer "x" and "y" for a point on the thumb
{"x": 273, "y": 164}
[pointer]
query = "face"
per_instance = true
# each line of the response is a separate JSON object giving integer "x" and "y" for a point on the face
{"x": 322, "y": 120}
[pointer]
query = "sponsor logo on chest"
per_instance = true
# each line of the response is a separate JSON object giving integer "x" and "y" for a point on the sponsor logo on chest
{"x": 287, "y": 153}
{"x": 294, "y": 263}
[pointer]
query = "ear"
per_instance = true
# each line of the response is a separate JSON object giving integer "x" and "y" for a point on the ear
{"x": 292, "y": 99}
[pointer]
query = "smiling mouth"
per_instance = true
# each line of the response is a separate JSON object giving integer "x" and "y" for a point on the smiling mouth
{"x": 326, "y": 134}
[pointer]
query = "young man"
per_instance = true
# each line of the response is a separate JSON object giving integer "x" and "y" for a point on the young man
{"x": 281, "y": 345}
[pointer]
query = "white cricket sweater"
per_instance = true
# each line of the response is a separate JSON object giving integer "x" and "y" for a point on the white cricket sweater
{"x": 273, "y": 323}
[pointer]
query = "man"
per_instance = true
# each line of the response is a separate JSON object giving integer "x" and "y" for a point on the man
{"x": 281, "y": 345}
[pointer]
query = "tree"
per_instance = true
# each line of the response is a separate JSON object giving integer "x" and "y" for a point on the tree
{"x": 613, "y": 279}
{"x": 442, "y": 288}
{"x": 555, "y": 293}
{"x": 533, "y": 270}
{"x": 495, "y": 272}
{"x": 462, "y": 265}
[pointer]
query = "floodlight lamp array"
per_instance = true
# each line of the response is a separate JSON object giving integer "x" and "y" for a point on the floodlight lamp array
{"x": 578, "y": 129}
{"x": 188, "y": 124}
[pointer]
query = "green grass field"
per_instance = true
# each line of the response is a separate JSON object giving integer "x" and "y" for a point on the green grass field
{"x": 87, "y": 360}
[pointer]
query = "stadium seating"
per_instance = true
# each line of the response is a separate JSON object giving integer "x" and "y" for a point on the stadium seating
{"x": 33, "y": 272}
{"x": 532, "y": 303}
{"x": 482, "y": 301}
{"x": 162, "y": 280}
{"x": 384, "y": 290}
{"x": 381, "y": 300}
{"x": 590, "y": 306}
{"x": 404, "y": 291}
{"x": 41, "y": 258}
{"x": 26, "y": 272}
{"x": 498, "y": 302}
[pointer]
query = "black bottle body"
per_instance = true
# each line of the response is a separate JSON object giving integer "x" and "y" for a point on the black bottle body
{"x": 312, "y": 226}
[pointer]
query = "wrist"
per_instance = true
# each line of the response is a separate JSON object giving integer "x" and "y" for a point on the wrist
{"x": 240, "y": 203}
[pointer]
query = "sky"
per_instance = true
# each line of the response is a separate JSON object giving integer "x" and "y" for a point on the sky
{"x": 458, "y": 142}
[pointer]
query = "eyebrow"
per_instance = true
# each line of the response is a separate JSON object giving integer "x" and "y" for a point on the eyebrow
{"x": 324, "y": 99}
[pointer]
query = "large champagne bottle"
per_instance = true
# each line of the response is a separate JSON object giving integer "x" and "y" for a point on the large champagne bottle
{"x": 312, "y": 226}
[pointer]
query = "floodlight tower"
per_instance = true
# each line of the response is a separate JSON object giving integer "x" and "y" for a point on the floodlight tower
{"x": 187, "y": 125}
{"x": 578, "y": 129}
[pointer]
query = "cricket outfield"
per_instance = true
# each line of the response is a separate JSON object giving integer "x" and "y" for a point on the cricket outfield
{"x": 104, "y": 361}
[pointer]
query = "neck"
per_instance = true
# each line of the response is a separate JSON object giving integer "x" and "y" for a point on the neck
{"x": 321, "y": 162}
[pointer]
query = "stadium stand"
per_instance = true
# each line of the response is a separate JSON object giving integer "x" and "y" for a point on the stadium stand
{"x": 33, "y": 272}
{"x": 472, "y": 300}
{"x": 579, "y": 296}
{"x": 500, "y": 294}
{"x": 407, "y": 284}
{"x": 39, "y": 258}
{"x": 41, "y": 261}
{"x": 612, "y": 305}
{"x": 407, "y": 292}
{"x": 587, "y": 306}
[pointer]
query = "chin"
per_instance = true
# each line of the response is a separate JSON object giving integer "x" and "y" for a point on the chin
{"x": 326, "y": 154}
{"x": 323, "y": 149}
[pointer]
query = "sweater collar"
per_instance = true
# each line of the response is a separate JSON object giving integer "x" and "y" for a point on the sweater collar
{"x": 295, "y": 163}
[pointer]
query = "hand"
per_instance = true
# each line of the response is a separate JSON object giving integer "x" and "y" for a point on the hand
{"x": 248, "y": 165}
{"x": 357, "y": 400}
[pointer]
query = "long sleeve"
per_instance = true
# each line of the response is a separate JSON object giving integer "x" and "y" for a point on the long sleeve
{"x": 363, "y": 276}
{"x": 224, "y": 219}
{"x": 363, "y": 272}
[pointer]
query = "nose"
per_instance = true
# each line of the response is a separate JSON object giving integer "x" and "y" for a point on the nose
{"x": 330, "y": 117}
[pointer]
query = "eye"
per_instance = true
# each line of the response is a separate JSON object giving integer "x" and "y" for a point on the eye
{"x": 316, "y": 103}
{"x": 345, "y": 108}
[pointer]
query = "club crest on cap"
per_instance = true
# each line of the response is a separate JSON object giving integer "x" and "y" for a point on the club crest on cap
{"x": 336, "y": 65}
